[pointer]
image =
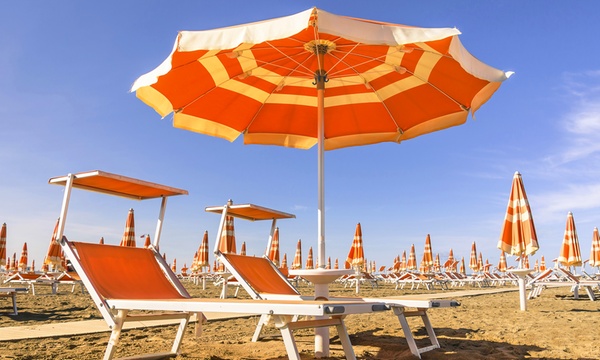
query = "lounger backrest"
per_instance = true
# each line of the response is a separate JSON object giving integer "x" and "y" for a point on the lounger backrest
{"x": 259, "y": 273}
{"x": 119, "y": 272}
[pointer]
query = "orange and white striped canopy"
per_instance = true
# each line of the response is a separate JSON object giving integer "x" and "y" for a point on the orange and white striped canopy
{"x": 3, "y": 261}
{"x": 356, "y": 256}
{"x": 385, "y": 82}
{"x": 570, "y": 253}
{"x": 411, "y": 264}
{"x": 24, "y": 259}
{"x": 128, "y": 238}
{"x": 284, "y": 264}
{"x": 473, "y": 258}
{"x": 274, "y": 248}
{"x": 402, "y": 263}
{"x": 437, "y": 265}
{"x": 518, "y": 236}
{"x": 479, "y": 262}
{"x": 227, "y": 241}
{"x": 595, "y": 252}
{"x": 54, "y": 250}
{"x": 297, "y": 263}
{"x": 310, "y": 264}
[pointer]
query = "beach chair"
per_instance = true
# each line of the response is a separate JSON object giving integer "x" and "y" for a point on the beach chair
{"x": 12, "y": 293}
{"x": 263, "y": 280}
{"x": 31, "y": 280}
{"x": 559, "y": 277}
{"x": 125, "y": 281}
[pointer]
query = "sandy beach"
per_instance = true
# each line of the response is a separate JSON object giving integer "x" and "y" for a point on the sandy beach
{"x": 491, "y": 326}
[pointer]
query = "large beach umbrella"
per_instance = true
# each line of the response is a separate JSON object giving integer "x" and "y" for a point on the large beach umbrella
{"x": 570, "y": 254}
{"x": 128, "y": 238}
{"x": 24, "y": 259}
{"x": 266, "y": 80}
{"x": 297, "y": 263}
{"x": 274, "y": 248}
{"x": 473, "y": 258}
{"x": 411, "y": 264}
{"x": 53, "y": 255}
{"x": 3, "y": 261}
{"x": 518, "y": 236}
{"x": 427, "y": 262}
{"x": 595, "y": 252}
{"x": 356, "y": 256}
{"x": 227, "y": 241}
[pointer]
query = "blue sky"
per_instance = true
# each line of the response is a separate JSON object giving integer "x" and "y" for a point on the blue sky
{"x": 66, "y": 69}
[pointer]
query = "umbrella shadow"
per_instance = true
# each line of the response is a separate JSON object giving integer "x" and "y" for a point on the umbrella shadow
{"x": 454, "y": 344}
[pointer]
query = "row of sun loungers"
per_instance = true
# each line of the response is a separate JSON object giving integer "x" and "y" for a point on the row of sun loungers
{"x": 53, "y": 280}
{"x": 559, "y": 277}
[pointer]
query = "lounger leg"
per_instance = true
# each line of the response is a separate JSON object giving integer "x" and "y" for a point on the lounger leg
{"x": 345, "y": 339}
{"x": 115, "y": 334}
{"x": 14, "y": 301}
{"x": 399, "y": 312}
{"x": 264, "y": 320}
{"x": 180, "y": 332}
{"x": 288, "y": 337}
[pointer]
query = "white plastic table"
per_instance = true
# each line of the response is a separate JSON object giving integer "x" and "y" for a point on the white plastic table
{"x": 321, "y": 278}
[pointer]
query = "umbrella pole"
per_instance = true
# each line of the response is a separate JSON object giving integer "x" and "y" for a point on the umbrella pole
{"x": 321, "y": 170}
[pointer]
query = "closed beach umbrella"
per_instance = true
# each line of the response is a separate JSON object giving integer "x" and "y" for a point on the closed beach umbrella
{"x": 356, "y": 256}
{"x": 479, "y": 262}
{"x": 595, "y": 253}
{"x": 462, "y": 268}
{"x": 473, "y": 258}
{"x": 427, "y": 262}
{"x": 3, "y": 261}
{"x": 128, "y": 238}
{"x": 518, "y": 236}
{"x": 542, "y": 264}
{"x": 274, "y": 249}
{"x": 570, "y": 254}
{"x": 23, "y": 260}
{"x": 284, "y": 264}
{"x": 328, "y": 266}
{"x": 243, "y": 249}
{"x": 403, "y": 263}
{"x": 203, "y": 253}
{"x": 101, "y": 242}
{"x": 450, "y": 264}
{"x": 309, "y": 259}
{"x": 53, "y": 255}
{"x": 174, "y": 265}
{"x": 147, "y": 241}
{"x": 13, "y": 262}
{"x": 227, "y": 241}
{"x": 266, "y": 81}
{"x": 502, "y": 264}
{"x": 336, "y": 265}
{"x": 411, "y": 264}
{"x": 297, "y": 263}
{"x": 437, "y": 265}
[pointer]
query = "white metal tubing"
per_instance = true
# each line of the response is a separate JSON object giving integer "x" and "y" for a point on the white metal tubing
{"x": 65, "y": 207}
{"x": 161, "y": 217}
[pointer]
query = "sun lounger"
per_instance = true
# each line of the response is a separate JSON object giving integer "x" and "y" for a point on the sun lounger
{"x": 263, "y": 280}
{"x": 12, "y": 293}
{"x": 558, "y": 277}
{"x": 31, "y": 280}
{"x": 122, "y": 280}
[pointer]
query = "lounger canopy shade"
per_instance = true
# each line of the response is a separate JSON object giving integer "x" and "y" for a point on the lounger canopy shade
{"x": 113, "y": 184}
{"x": 119, "y": 185}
